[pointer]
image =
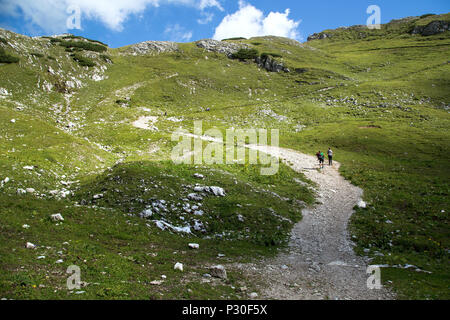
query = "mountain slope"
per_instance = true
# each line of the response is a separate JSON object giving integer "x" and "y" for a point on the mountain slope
{"x": 380, "y": 100}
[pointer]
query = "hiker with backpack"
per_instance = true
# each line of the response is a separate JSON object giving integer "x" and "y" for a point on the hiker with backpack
{"x": 330, "y": 157}
{"x": 321, "y": 158}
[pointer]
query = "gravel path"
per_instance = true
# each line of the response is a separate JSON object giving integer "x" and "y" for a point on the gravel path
{"x": 320, "y": 262}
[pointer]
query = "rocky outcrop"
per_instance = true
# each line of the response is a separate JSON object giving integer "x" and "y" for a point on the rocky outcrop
{"x": 228, "y": 48}
{"x": 152, "y": 48}
{"x": 270, "y": 64}
{"x": 432, "y": 28}
{"x": 319, "y": 36}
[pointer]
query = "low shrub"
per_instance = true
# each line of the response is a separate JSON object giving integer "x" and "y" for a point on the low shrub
{"x": 245, "y": 54}
{"x": 83, "y": 61}
{"x": 83, "y": 45}
{"x": 237, "y": 38}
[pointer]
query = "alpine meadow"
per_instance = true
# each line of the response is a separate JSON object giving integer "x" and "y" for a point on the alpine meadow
{"x": 88, "y": 180}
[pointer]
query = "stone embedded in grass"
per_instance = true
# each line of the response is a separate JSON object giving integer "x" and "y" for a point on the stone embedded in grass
{"x": 25, "y": 226}
{"x": 253, "y": 295}
{"x": 146, "y": 214}
{"x": 178, "y": 266}
{"x": 157, "y": 282}
{"x": 13, "y": 120}
{"x": 194, "y": 246}
{"x": 362, "y": 204}
{"x": 57, "y": 217}
{"x": 21, "y": 191}
{"x": 59, "y": 261}
{"x": 199, "y": 176}
{"x": 195, "y": 197}
{"x": 30, "y": 190}
{"x": 41, "y": 257}
{"x": 30, "y": 245}
{"x": 29, "y": 167}
{"x": 98, "y": 196}
{"x": 218, "y": 272}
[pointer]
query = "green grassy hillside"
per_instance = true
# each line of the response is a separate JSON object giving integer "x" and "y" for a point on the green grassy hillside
{"x": 380, "y": 98}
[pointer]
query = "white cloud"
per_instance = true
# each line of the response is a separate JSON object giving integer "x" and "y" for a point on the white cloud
{"x": 249, "y": 21}
{"x": 51, "y": 15}
{"x": 177, "y": 33}
{"x": 207, "y": 17}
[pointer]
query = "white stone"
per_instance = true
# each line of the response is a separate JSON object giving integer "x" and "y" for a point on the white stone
{"x": 362, "y": 204}
{"x": 28, "y": 167}
{"x": 194, "y": 246}
{"x": 13, "y": 120}
{"x": 178, "y": 266}
{"x": 41, "y": 257}
{"x": 57, "y": 217}
{"x": 59, "y": 261}
{"x": 25, "y": 226}
{"x": 253, "y": 295}
{"x": 30, "y": 245}
{"x": 30, "y": 190}
{"x": 98, "y": 196}
{"x": 21, "y": 191}
{"x": 217, "y": 191}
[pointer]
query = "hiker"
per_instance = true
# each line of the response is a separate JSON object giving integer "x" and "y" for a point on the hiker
{"x": 330, "y": 157}
{"x": 321, "y": 158}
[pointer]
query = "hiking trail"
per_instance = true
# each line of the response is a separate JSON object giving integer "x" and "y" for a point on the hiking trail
{"x": 320, "y": 262}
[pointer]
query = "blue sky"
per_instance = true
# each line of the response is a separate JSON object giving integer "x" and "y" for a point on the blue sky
{"x": 123, "y": 22}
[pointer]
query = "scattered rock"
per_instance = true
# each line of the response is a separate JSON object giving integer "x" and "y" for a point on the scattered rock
{"x": 195, "y": 197}
{"x": 25, "y": 226}
{"x": 29, "y": 245}
{"x": 194, "y": 246}
{"x": 227, "y": 48}
{"x": 30, "y": 190}
{"x": 57, "y": 217}
{"x": 218, "y": 272}
{"x": 362, "y": 204}
{"x": 178, "y": 266}
{"x": 157, "y": 282}
{"x": 253, "y": 295}
{"x": 98, "y": 196}
{"x": 199, "y": 176}
{"x": 59, "y": 261}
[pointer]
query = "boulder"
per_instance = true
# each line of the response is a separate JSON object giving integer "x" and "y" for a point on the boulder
{"x": 218, "y": 272}
{"x": 432, "y": 28}
{"x": 270, "y": 64}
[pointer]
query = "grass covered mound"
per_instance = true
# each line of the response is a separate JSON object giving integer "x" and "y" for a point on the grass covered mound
{"x": 7, "y": 58}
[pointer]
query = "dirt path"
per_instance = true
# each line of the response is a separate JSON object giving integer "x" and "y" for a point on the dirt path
{"x": 320, "y": 262}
